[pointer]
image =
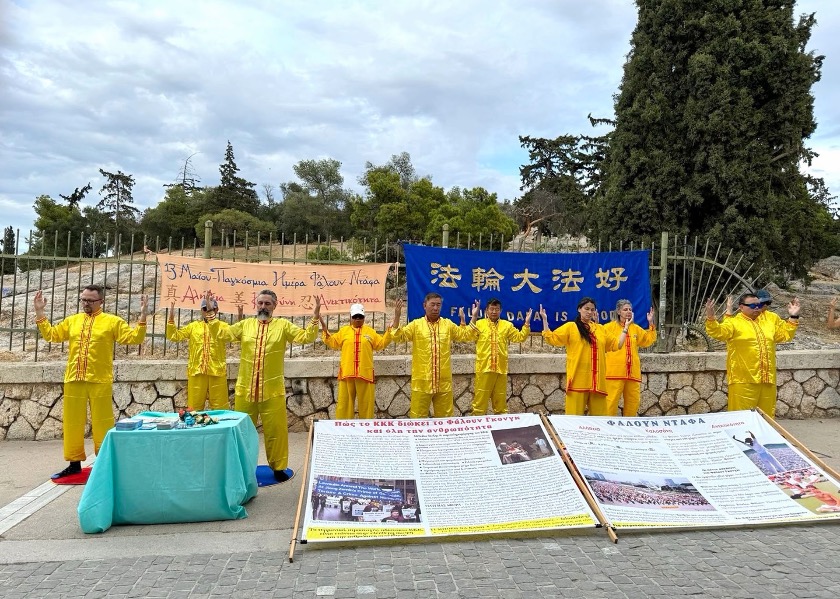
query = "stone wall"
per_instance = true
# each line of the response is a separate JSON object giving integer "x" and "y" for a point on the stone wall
{"x": 680, "y": 383}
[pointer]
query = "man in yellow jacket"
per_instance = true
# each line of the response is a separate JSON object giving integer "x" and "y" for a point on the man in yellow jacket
{"x": 493, "y": 335}
{"x": 206, "y": 367}
{"x": 89, "y": 375}
{"x": 751, "y": 351}
{"x": 357, "y": 342}
{"x": 624, "y": 372}
{"x": 260, "y": 385}
{"x": 431, "y": 366}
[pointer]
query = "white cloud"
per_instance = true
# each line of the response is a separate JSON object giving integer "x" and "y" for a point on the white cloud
{"x": 139, "y": 86}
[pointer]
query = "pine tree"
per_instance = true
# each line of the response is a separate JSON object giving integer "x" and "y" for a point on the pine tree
{"x": 8, "y": 250}
{"x": 713, "y": 113}
{"x": 234, "y": 192}
{"x": 117, "y": 202}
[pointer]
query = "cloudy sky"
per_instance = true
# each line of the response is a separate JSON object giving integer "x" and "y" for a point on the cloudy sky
{"x": 140, "y": 85}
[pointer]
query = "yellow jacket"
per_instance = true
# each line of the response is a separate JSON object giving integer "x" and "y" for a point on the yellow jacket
{"x": 356, "y": 345}
{"x": 206, "y": 348}
{"x": 92, "y": 337}
{"x": 751, "y": 345}
{"x": 491, "y": 347}
{"x": 585, "y": 362}
{"x": 263, "y": 352}
{"x": 624, "y": 363}
{"x": 431, "y": 364}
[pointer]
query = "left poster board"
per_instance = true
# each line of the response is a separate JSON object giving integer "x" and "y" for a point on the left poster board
{"x": 374, "y": 479}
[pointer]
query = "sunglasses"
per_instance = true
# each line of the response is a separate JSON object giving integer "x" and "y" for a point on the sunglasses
{"x": 755, "y": 306}
{"x": 357, "y": 316}
{"x": 84, "y": 300}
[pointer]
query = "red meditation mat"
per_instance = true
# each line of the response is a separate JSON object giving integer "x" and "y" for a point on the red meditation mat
{"x": 79, "y": 478}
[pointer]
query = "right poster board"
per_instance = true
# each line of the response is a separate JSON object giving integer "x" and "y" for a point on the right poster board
{"x": 721, "y": 469}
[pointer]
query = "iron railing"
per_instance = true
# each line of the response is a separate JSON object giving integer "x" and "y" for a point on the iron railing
{"x": 683, "y": 273}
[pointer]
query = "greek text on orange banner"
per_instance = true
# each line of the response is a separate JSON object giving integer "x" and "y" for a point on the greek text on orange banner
{"x": 184, "y": 281}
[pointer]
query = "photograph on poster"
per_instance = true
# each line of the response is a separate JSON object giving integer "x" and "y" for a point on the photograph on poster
{"x": 336, "y": 499}
{"x": 646, "y": 491}
{"x": 770, "y": 457}
{"x": 521, "y": 444}
{"x": 810, "y": 488}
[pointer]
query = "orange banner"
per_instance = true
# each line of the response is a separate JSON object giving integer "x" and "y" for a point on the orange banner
{"x": 185, "y": 280}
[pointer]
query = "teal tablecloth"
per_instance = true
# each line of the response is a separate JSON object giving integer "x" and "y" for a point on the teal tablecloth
{"x": 182, "y": 475}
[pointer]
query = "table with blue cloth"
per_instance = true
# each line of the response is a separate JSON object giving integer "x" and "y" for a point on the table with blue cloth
{"x": 181, "y": 475}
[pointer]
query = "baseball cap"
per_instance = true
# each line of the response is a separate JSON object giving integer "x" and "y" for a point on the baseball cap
{"x": 214, "y": 305}
{"x": 357, "y": 310}
{"x": 764, "y": 296}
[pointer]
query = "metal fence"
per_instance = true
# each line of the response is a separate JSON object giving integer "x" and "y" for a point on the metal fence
{"x": 681, "y": 277}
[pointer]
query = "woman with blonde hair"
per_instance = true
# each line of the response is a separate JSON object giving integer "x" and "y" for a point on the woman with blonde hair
{"x": 624, "y": 372}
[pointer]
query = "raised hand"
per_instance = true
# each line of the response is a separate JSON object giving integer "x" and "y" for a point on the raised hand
{"x": 317, "y": 312}
{"x": 39, "y": 302}
{"x": 397, "y": 313}
{"x": 710, "y": 309}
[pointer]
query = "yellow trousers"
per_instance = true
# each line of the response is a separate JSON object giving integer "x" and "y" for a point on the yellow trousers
{"x": 631, "y": 390}
{"x": 76, "y": 398}
{"x": 203, "y": 387}
{"x": 577, "y": 403}
{"x": 745, "y": 396}
{"x": 272, "y": 412}
{"x": 420, "y": 402}
{"x": 490, "y": 388}
{"x": 349, "y": 392}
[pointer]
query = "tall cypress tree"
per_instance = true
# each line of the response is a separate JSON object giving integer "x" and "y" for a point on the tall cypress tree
{"x": 712, "y": 117}
{"x": 234, "y": 192}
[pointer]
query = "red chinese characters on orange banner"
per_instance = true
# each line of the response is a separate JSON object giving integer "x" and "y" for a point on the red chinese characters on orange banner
{"x": 184, "y": 281}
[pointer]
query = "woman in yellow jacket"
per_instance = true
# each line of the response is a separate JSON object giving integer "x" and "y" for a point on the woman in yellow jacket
{"x": 206, "y": 367}
{"x": 586, "y": 344}
{"x": 624, "y": 372}
{"x": 357, "y": 341}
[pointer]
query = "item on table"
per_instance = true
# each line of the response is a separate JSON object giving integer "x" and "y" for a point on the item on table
{"x": 129, "y": 424}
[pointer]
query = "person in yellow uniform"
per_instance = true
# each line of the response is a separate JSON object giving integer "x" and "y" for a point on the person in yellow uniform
{"x": 586, "y": 344}
{"x": 431, "y": 367}
{"x": 624, "y": 372}
{"x": 206, "y": 367}
{"x": 493, "y": 335}
{"x": 751, "y": 340}
{"x": 357, "y": 342}
{"x": 260, "y": 385}
{"x": 89, "y": 375}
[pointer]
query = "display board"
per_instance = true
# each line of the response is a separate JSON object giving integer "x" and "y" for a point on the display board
{"x": 700, "y": 470}
{"x": 437, "y": 477}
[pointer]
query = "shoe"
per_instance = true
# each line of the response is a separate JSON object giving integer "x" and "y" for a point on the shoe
{"x": 282, "y": 476}
{"x": 73, "y": 468}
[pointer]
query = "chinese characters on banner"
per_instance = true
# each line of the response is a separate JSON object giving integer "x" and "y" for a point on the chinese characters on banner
{"x": 185, "y": 280}
{"x": 526, "y": 280}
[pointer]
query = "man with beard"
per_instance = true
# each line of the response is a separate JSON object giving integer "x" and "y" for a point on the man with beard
{"x": 260, "y": 386}
{"x": 89, "y": 375}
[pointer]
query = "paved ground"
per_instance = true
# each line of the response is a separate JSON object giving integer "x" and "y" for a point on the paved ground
{"x": 47, "y": 555}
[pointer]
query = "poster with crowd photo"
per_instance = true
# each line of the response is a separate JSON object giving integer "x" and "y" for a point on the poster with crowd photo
{"x": 722, "y": 469}
{"x": 437, "y": 477}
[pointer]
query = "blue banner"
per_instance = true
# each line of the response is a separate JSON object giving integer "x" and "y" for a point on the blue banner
{"x": 356, "y": 490}
{"x": 525, "y": 280}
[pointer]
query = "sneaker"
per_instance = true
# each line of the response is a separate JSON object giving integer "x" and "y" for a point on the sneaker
{"x": 282, "y": 476}
{"x": 73, "y": 468}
